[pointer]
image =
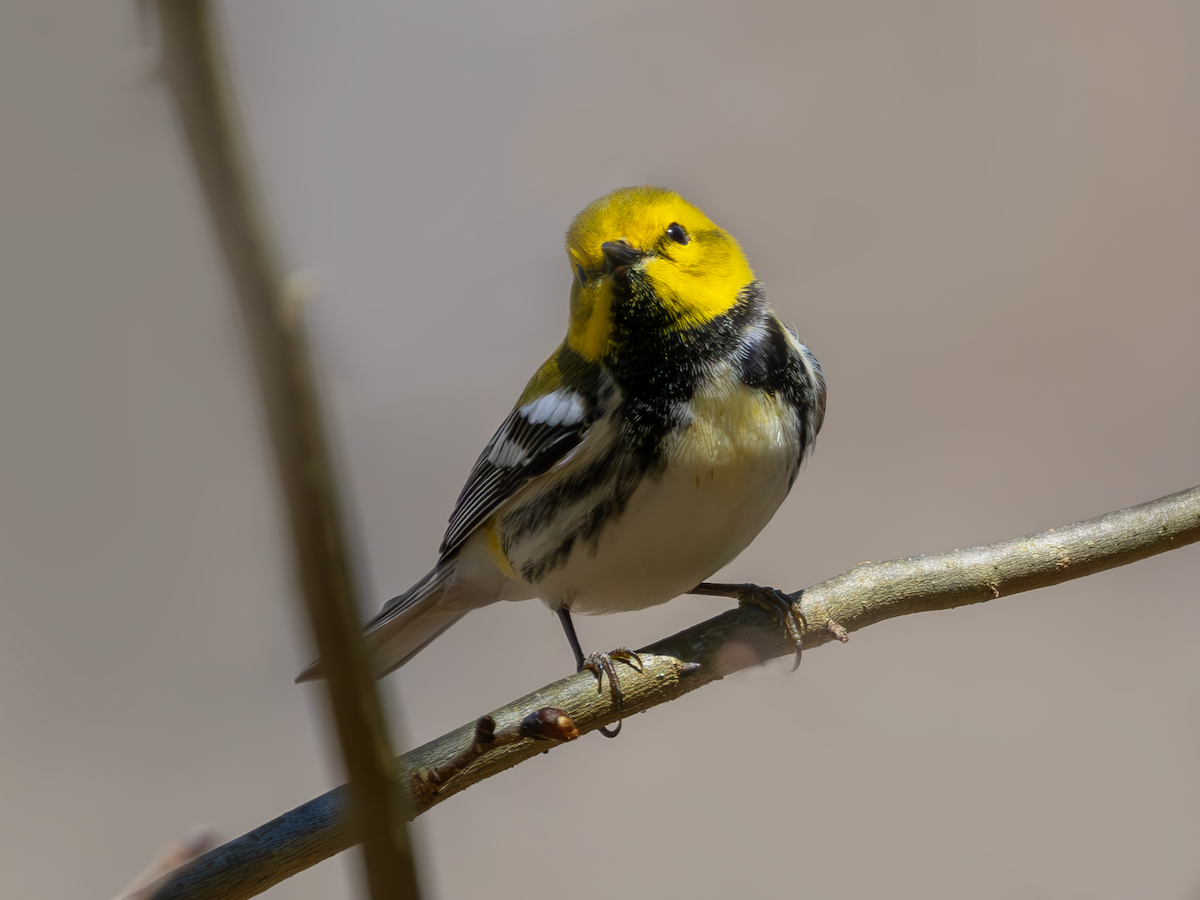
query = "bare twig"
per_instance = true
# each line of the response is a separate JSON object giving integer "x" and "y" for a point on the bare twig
{"x": 742, "y": 637}
{"x": 194, "y": 67}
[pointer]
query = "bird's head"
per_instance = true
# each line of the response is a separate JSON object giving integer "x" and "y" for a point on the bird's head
{"x": 648, "y": 243}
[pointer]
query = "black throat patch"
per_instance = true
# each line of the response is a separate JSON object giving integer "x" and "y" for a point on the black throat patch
{"x": 658, "y": 364}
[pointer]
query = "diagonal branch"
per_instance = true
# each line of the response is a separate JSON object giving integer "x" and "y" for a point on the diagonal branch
{"x": 707, "y": 652}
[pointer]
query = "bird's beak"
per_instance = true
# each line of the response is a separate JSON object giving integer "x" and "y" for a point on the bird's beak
{"x": 618, "y": 255}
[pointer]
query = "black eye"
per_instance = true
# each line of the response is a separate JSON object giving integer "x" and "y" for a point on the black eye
{"x": 676, "y": 233}
{"x": 581, "y": 274}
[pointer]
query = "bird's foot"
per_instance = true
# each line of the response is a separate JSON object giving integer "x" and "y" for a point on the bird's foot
{"x": 779, "y": 604}
{"x": 601, "y": 664}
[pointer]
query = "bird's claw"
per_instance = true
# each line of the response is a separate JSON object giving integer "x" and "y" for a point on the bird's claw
{"x": 782, "y": 605}
{"x": 601, "y": 664}
{"x": 786, "y": 612}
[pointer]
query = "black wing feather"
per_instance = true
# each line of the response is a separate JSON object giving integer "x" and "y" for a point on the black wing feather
{"x": 518, "y": 452}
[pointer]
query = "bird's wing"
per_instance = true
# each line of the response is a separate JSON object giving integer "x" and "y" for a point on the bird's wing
{"x": 535, "y": 436}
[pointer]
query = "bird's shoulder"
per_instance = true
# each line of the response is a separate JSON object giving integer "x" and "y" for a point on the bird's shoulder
{"x": 767, "y": 357}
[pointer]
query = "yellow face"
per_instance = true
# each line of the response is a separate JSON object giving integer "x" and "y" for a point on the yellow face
{"x": 695, "y": 268}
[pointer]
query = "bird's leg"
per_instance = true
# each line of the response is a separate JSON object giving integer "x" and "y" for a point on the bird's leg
{"x": 782, "y": 606}
{"x": 600, "y": 664}
{"x": 564, "y": 616}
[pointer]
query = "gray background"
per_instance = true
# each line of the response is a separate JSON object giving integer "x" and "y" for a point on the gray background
{"x": 983, "y": 217}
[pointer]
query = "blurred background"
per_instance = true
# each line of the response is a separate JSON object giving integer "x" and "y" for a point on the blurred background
{"x": 982, "y": 217}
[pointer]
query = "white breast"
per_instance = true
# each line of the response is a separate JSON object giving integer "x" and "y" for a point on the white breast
{"x": 726, "y": 475}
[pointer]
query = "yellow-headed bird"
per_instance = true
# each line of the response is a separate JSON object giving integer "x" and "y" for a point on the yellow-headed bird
{"x": 646, "y": 452}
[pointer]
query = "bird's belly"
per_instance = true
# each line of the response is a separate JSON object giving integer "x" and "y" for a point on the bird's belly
{"x": 726, "y": 475}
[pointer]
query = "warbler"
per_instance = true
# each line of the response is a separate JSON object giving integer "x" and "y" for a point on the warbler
{"x": 646, "y": 453}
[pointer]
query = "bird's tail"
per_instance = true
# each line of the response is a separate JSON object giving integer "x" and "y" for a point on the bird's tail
{"x": 405, "y": 624}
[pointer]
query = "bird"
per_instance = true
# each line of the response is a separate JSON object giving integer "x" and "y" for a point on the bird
{"x": 647, "y": 451}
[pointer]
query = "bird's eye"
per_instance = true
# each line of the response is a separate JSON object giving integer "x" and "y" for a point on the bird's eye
{"x": 676, "y": 233}
{"x": 580, "y": 274}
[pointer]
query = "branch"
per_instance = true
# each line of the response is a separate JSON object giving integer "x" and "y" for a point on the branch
{"x": 707, "y": 652}
{"x": 194, "y": 67}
